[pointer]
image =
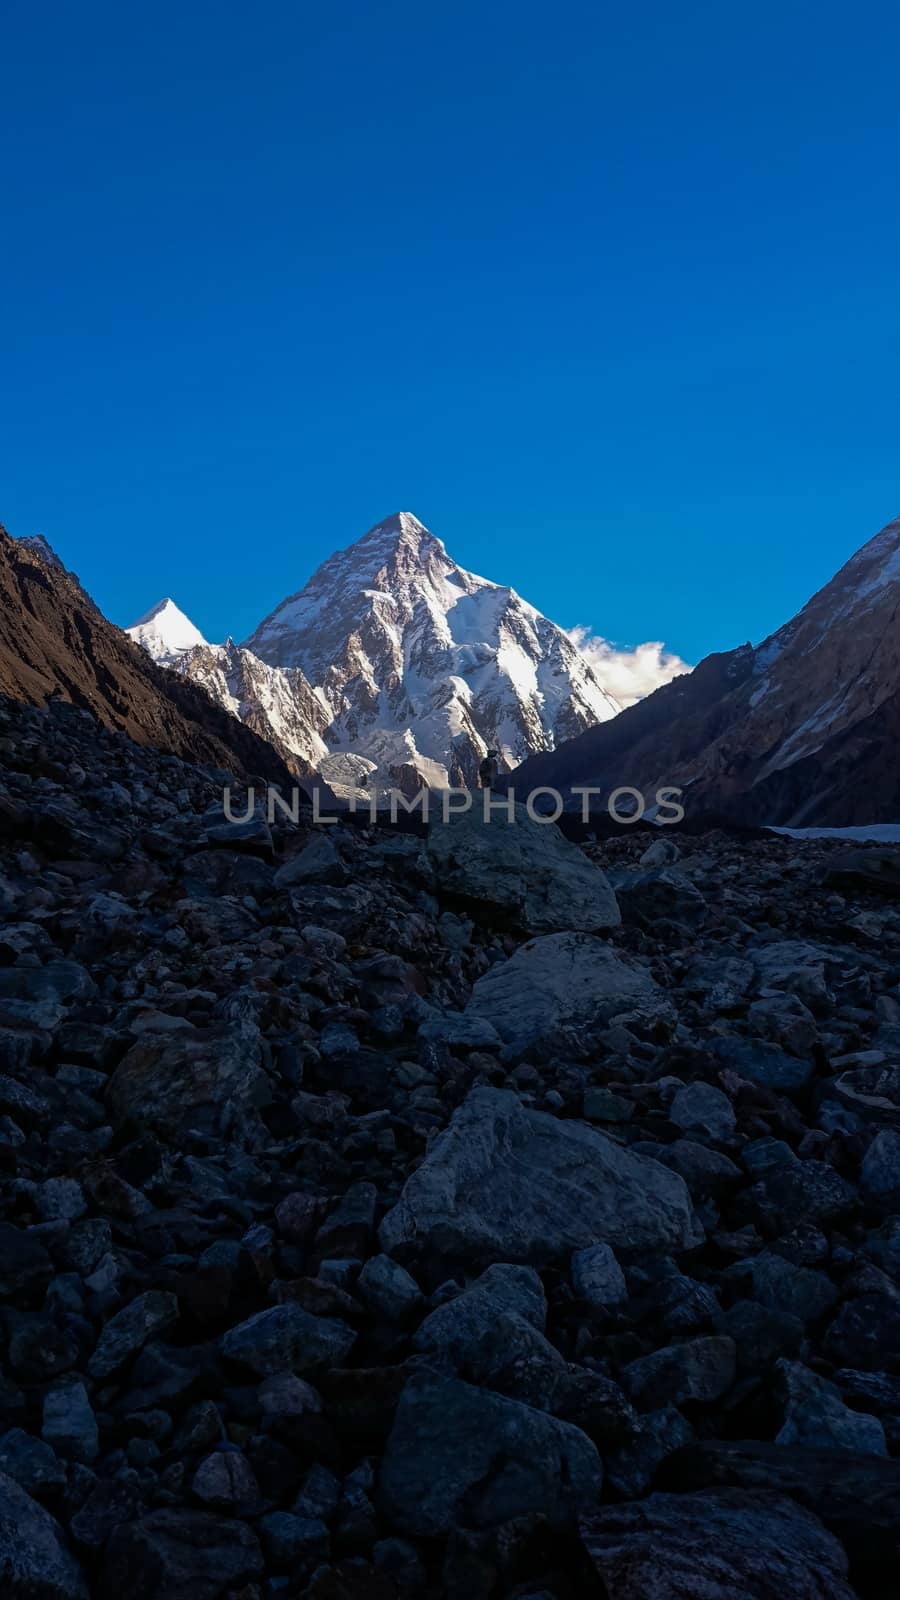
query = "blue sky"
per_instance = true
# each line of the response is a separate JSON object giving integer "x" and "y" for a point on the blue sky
{"x": 607, "y": 295}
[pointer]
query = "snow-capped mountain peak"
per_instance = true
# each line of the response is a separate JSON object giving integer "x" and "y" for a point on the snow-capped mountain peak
{"x": 422, "y": 665}
{"x": 165, "y": 632}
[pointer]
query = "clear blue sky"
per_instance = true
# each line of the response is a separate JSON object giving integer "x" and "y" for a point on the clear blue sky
{"x": 607, "y": 295}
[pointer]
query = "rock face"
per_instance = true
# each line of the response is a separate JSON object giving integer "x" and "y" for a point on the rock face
{"x": 506, "y": 1184}
{"x": 521, "y": 870}
{"x": 801, "y": 730}
{"x": 278, "y": 704}
{"x": 52, "y": 637}
{"x": 722, "y": 1546}
{"x": 561, "y": 982}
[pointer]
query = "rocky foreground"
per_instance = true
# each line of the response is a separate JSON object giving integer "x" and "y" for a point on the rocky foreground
{"x": 478, "y": 1217}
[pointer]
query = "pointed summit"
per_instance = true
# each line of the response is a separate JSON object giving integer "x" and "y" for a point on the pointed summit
{"x": 422, "y": 665}
{"x": 165, "y": 632}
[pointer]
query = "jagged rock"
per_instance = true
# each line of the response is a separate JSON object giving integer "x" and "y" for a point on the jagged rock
{"x": 702, "y": 1106}
{"x": 34, "y": 1561}
{"x": 562, "y": 983}
{"x": 523, "y": 871}
{"x": 857, "y": 1497}
{"x": 30, "y": 1463}
{"x": 317, "y": 862}
{"x": 659, "y": 895}
{"x": 701, "y": 1369}
{"x": 173, "y": 1554}
{"x": 208, "y": 1081}
{"x": 461, "y": 1455}
{"x": 765, "y": 1064}
{"x": 147, "y": 1317}
{"x": 879, "y": 1175}
{"x": 389, "y": 1289}
{"x": 506, "y": 1184}
{"x": 69, "y": 1423}
{"x": 722, "y": 1545}
{"x": 597, "y": 1277}
{"x": 455, "y": 1329}
{"x": 815, "y": 1414}
{"x": 287, "y": 1338}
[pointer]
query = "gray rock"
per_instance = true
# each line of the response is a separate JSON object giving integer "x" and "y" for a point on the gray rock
{"x": 706, "y": 1172}
{"x": 25, "y": 1266}
{"x": 34, "y": 1561}
{"x": 224, "y": 1481}
{"x": 661, "y": 853}
{"x": 30, "y": 1462}
{"x": 879, "y": 1174}
{"x": 290, "y": 1541}
{"x": 287, "y": 1338}
{"x": 815, "y": 1414}
{"x": 631, "y": 1468}
{"x": 317, "y": 862}
{"x": 659, "y": 896}
{"x": 701, "y": 1369}
{"x": 702, "y": 1106}
{"x": 565, "y": 981}
{"x": 61, "y": 1198}
{"x": 69, "y": 1423}
{"x": 764, "y": 1064}
{"x": 785, "y": 1020}
{"x": 461, "y": 1032}
{"x": 504, "y": 1183}
{"x": 205, "y": 1081}
{"x": 179, "y": 1555}
{"x": 147, "y": 1317}
{"x": 796, "y": 966}
{"x": 723, "y": 1545}
{"x": 761, "y": 1334}
{"x": 524, "y": 871}
{"x": 457, "y": 1454}
{"x": 456, "y": 1328}
{"x": 782, "y": 1286}
{"x": 597, "y": 1277}
{"x": 389, "y": 1289}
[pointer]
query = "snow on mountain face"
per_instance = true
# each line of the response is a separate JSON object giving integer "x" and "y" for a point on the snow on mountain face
{"x": 276, "y": 703}
{"x": 165, "y": 632}
{"x": 421, "y": 666}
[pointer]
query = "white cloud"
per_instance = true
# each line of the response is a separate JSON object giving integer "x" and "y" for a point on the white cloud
{"x": 628, "y": 675}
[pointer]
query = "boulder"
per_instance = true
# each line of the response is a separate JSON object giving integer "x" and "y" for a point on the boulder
{"x": 461, "y": 1456}
{"x": 287, "y": 1338}
{"x": 208, "y": 1080}
{"x": 724, "y": 1545}
{"x": 524, "y": 872}
{"x": 179, "y": 1555}
{"x": 504, "y": 1183}
{"x": 815, "y": 1414}
{"x": 34, "y": 1561}
{"x": 564, "y": 983}
{"x": 701, "y": 1369}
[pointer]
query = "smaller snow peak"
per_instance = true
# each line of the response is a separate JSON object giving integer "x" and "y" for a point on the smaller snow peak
{"x": 161, "y": 607}
{"x": 165, "y": 632}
